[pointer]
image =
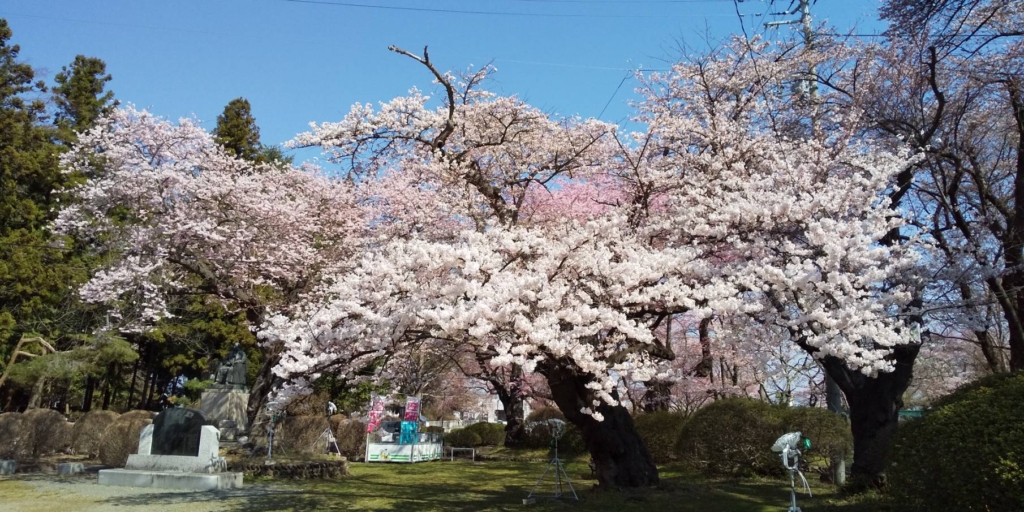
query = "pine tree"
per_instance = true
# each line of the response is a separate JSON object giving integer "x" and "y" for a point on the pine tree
{"x": 237, "y": 131}
{"x": 79, "y": 95}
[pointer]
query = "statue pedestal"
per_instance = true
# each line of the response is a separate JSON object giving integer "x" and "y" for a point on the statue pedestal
{"x": 220, "y": 404}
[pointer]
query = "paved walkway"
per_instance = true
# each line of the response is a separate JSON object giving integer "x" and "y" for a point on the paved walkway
{"x": 46, "y": 493}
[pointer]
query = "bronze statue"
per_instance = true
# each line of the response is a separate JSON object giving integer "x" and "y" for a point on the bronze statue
{"x": 231, "y": 372}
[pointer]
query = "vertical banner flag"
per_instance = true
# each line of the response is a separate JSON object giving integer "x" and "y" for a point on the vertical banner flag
{"x": 376, "y": 412}
{"x": 412, "y": 408}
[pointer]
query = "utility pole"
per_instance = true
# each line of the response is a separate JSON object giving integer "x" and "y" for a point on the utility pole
{"x": 809, "y": 87}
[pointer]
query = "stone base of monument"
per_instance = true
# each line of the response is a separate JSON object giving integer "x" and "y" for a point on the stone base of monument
{"x": 170, "y": 479}
{"x": 223, "y": 403}
{"x": 204, "y": 471}
{"x": 8, "y": 467}
{"x": 70, "y": 468}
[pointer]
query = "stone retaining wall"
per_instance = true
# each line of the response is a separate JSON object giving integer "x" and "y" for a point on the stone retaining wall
{"x": 313, "y": 470}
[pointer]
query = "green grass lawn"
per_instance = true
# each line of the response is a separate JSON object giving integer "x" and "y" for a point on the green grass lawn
{"x": 468, "y": 486}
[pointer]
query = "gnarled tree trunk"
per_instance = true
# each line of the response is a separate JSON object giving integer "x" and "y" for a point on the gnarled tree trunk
{"x": 620, "y": 457}
{"x": 515, "y": 421}
{"x": 875, "y": 403}
{"x": 265, "y": 382}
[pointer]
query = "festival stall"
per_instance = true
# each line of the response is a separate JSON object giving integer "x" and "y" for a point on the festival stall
{"x": 394, "y": 441}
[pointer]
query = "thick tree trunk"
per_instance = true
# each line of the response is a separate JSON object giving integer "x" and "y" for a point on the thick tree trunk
{"x": 1013, "y": 244}
{"x": 707, "y": 361}
{"x": 834, "y": 402}
{"x": 515, "y": 419}
{"x": 620, "y": 458}
{"x": 875, "y": 403}
{"x": 265, "y": 382}
{"x": 658, "y": 396}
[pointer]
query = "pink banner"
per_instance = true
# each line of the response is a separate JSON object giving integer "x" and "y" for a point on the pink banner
{"x": 412, "y": 408}
{"x": 376, "y": 413}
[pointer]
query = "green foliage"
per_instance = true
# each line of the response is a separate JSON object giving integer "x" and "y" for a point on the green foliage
{"x": 39, "y": 271}
{"x": 87, "y": 432}
{"x": 491, "y": 434}
{"x": 538, "y": 436}
{"x": 829, "y": 432}
{"x": 462, "y": 438}
{"x": 194, "y": 388}
{"x": 967, "y": 453}
{"x": 89, "y": 359}
{"x": 732, "y": 437}
{"x": 544, "y": 413}
{"x": 34, "y": 277}
{"x": 79, "y": 94}
{"x": 660, "y": 430}
{"x": 237, "y": 131}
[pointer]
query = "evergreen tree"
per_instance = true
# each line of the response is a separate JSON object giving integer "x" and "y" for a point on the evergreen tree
{"x": 38, "y": 270}
{"x": 237, "y": 131}
{"x": 79, "y": 94}
{"x": 30, "y": 282}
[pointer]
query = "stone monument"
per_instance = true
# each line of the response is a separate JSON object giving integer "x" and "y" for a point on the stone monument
{"x": 226, "y": 400}
{"x": 180, "y": 450}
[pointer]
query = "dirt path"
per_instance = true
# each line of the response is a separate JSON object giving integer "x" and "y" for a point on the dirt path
{"x": 46, "y": 493}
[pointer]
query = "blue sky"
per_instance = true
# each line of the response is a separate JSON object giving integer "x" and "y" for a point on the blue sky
{"x": 310, "y": 60}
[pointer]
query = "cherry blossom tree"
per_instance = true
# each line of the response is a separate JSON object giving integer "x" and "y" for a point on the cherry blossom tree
{"x": 712, "y": 210}
{"x": 177, "y": 215}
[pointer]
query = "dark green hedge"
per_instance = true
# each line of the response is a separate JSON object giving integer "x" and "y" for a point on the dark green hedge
{"x": 538, "y": 436}
{"x": 967, "y": 453}
{"x": 463, "y": 438}
{"x": 660, "y": 431}
{"x": 491, "y": 434}
{"x": 733, "y": 437}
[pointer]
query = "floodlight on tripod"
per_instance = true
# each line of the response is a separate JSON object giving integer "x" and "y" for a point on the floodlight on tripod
{"x": 557, "y": 429}
{"x": 789, "y": 447}
{"x": 328, "y": 433}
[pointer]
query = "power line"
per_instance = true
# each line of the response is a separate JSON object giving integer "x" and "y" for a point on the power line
{"x": 619, "y": 2}
{"x": 485, "y": 13}
{"x": 613, "y": 95}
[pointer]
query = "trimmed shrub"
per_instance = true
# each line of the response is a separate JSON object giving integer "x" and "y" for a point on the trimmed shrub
{"x": 732, "y": 437}
{"x": 660, "y": 432}
{"x": 829, "y": 432}
{"x": 87, "y": 432}
{"x": 966, "y": 453}
{"x": 544, "y": 413}
{"x": 434, "y": 430}
{"x": 538, "y": 436}
{"x": 121, "y": 438}
{"x": 16, "y": 433}
{"x": 51, "y": 432}
{"x": 491, "y": 434}
{"x": 462, "y": 437}
{"x": 300, "y": 434}
{"x": 350, "y": 436}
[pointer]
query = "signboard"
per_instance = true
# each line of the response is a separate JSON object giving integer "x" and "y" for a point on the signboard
{"x": 376, "y": 412}
{"x": 412, "y": 408}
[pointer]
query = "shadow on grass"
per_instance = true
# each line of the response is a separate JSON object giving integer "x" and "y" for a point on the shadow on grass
{"x": 465, "y": 487}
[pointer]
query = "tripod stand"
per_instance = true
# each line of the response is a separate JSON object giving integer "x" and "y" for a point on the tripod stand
{"x": 559, "y": 474}
{"x": 328, "y": 433}
{"x": 270, "y": 420}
